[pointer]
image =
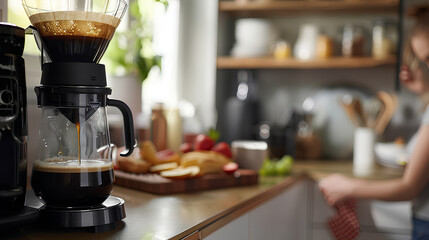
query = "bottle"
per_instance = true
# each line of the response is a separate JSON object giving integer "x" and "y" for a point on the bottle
{"x": 174, "y": 129}
{"x": 308, "y": 144}
{"x": 241, "y": 113}
{"x": 158, "y": 130}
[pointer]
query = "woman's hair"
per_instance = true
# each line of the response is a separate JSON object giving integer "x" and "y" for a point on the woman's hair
{"x": 420, "y": 15}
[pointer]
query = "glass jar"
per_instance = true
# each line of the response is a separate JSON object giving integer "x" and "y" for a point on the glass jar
{"x": 353, "y": 41}
{"x": 384, "y": 38}
{"x": 325, "y": 47}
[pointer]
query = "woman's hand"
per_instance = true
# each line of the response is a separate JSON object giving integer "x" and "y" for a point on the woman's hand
{"x": 336, "y": 188}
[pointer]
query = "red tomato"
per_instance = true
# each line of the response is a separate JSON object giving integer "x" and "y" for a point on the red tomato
{"x": 223, "y": 148}
{"x": 203, "y": 142}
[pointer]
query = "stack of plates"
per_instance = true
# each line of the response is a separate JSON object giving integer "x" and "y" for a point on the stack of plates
{"x": 391, "y": 154}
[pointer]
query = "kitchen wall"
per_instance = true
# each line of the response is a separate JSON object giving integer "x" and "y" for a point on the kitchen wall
{"x": 3, "y": 11}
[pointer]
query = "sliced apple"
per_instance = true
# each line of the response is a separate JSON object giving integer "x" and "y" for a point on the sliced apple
{"x": 181, "y": 173}
{"x": 196, "y": 171}
{"x": 163, "y": 167}
{"x": 230, "y": 167}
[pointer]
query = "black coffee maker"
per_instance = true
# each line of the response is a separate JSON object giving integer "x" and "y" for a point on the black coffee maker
{"x": 73, "y": 175}
{"x": 13, "y": 129}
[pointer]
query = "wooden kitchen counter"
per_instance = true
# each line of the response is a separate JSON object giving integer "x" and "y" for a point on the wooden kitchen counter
{"x": 176, "y": 216}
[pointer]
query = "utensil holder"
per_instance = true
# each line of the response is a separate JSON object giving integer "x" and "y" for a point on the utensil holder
{"x": 363, "y": 151}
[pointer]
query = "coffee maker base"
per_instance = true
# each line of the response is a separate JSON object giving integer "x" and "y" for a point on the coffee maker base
{"x": 12, "y": 220}
{"x": 96, "y": 219}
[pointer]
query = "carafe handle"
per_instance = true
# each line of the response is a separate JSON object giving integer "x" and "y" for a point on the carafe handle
{"x": 130, "y": 141}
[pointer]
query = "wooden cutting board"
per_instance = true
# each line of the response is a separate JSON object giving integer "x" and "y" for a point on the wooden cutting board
{"x": 154, "y": 183}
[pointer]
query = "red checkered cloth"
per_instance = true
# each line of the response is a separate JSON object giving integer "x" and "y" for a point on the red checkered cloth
{"x": 345, "y": 224}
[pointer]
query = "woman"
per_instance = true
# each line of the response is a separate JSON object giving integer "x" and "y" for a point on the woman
{"x": 414, "y": 184}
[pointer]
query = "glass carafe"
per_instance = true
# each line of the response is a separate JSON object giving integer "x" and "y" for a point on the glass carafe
{"x": 74, "y": 167}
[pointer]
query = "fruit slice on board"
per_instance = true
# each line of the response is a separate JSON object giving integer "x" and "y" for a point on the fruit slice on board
{"x": 230, "y": 167}
{"x": 163, "y": 167}
{"x": 181, "y": 173}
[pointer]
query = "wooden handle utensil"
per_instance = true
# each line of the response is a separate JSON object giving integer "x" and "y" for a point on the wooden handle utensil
{"x": 389, "y": 106}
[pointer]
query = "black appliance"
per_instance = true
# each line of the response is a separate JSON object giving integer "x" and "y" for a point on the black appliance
{"x": 13, "y": 130}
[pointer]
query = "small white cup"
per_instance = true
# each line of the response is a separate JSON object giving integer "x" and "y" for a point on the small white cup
{"x": 363, "y": 151}
{"x": 249, "y": 154}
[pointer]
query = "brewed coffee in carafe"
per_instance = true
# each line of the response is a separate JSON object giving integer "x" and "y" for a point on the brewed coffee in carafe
{"x": 75, "y": 167}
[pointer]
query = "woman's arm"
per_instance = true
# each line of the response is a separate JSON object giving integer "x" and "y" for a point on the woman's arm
{"x": 338, "y": 188}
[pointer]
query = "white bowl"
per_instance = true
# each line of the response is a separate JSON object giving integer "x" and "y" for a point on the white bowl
{"x": 254, "y": 31}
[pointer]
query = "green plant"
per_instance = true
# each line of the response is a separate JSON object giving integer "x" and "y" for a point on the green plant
{"x": 130, "y": 51}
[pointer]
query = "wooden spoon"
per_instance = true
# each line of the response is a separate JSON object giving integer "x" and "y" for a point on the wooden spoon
{"x": 389, "y": 105}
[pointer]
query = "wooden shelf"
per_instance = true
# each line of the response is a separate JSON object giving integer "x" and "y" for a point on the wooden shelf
{"x": 272, "y": 63}
{"x": 270, "y": 7}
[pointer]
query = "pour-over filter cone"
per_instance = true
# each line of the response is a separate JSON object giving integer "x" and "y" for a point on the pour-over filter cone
{"x": 78, "y": 115}
{"x": 75, "y": 30}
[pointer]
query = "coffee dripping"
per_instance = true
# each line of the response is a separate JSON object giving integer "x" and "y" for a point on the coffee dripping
{"x": 73, "y": 175}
